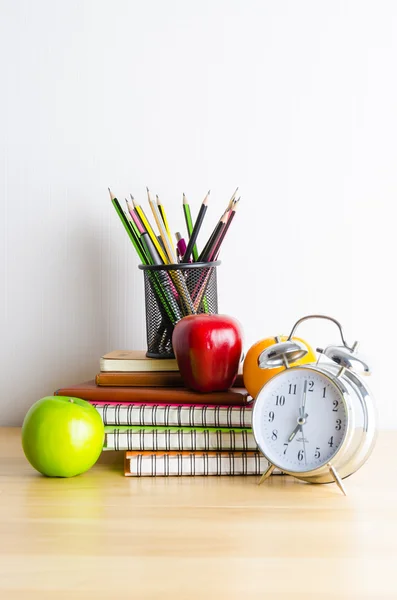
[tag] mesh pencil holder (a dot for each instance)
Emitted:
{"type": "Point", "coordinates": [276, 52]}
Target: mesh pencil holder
{"type": "Point", "coordinates": [171, 293]}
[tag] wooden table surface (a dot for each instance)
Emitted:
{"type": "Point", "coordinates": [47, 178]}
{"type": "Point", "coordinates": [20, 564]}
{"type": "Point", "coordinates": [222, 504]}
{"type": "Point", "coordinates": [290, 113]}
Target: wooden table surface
{"type": "Point", "coordinates": [102, 535]}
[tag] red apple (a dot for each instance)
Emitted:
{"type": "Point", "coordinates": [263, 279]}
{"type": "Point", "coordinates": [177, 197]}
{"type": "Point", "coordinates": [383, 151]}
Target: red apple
{"type": "Point", "coordinates": [208, 350]}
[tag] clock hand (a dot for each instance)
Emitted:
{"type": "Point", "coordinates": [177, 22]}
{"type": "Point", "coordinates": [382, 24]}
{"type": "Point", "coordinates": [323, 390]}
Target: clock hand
{"type": "Point", "coordinates": [304, 446]}
{"type": "Point", "coordinates": [293, 434]}
{"type": "Point", "coordinates": [303, 400]}
{"type": "Point", "coordinates": [302, 416]}
{"type": "Point", "coordinates": [301, 420]}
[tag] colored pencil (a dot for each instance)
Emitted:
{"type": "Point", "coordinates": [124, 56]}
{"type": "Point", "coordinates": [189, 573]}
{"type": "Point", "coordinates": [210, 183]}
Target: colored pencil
{"type": "Point", "coordinates": [149, 229]}
{"type": "Point", "coordinates": [165, 301]}
{"type": "Point", "coordinates": [161, 227]}
{"type": "Point", "coordinates": [206, 252]}
{"type": "Point", "coordinates": [163, 277]}
{"type": "Point", "coordinates": [230, 216]}
{"type": "Point", "coordinates": [137, 223]}
{"type": "Point", "coordinates": [137, 235]}
{"type": "Point", "coordinates": [196, 228]}
{"type": "Point", "coordinates": [127, 227]}
{"type": "Point", "coordinates": [189, 224]}
{"type": "Point", "coordinates": [164, 218]}
{"type": "Point", "coordinates": [177, 276]}
{"type": "Point", "coordinates": [198, 292]}
{"type": "Point", "coordinates": [171, 287]}
{"type": "Point", "coordinates": [215, 233]}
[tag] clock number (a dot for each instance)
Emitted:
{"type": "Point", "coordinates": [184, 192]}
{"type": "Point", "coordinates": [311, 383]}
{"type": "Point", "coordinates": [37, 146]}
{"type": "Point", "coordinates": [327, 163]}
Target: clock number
{"type": "Point", "coordinates": [271, 416]}
{"type": "Point", "coordinates": [274, 434]}
{"type": "Point", "coordinates": [317, 453]}
{"type": "Point", "coordinates": [336, 404]}
{"type": "Point", "coordinates": [324, 392]}
{"type": "Point", "coordinates": [280, 400]}
{"type": "Point", "coordinates": [292, 388]}
{"type": "Point", "coordinates": [300, 455]}
{"type": "Point", "coordinates": [331, 441]}
{"type": "Point", "coordinates": [311, 386]}
{"type": "Point", "coordinates": [286, 448]}
{"type": "Point", "coordinates": [338, 424]}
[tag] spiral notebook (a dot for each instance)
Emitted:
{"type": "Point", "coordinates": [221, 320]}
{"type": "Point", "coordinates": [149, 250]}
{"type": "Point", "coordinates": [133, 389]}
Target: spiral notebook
{"type": "Point", "coordinates": [178, 438]}
{"type": "Point", "coordinates": [164, 464]}
{"type": "Point", "coordinates": [174, 415]}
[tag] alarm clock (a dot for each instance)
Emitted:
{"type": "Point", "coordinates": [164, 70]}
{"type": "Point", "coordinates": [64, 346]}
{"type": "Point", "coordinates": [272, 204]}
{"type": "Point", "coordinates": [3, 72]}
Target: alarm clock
{"type": "Point", "coordinates": [315, 421]}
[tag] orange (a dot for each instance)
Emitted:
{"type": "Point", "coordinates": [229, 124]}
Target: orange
{"type": "Point", "coordinates": [254, 377]}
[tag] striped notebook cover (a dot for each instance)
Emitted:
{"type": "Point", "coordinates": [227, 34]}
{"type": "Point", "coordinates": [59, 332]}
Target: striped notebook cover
{"type": "Point", "coordinates": [152, 464]}
{"type": "Point", "coordinates": [174, 415]}
{"type": "Point", "coordinates": [177, 438]}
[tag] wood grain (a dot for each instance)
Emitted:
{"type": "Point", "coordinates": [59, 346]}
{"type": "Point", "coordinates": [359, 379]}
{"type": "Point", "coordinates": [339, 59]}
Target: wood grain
{"type": "Point", "coordinates": [101, 535]}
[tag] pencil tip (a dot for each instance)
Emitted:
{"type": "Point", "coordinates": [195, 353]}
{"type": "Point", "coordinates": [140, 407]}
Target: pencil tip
{"type": "Point", "coordinates": [112, 197]}
{"type": "Point", "coordinates": [147, 189]}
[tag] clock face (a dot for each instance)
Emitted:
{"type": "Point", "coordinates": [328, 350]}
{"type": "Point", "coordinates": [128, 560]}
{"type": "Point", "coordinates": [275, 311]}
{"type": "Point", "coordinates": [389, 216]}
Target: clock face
{"type": "Point", "coordinates": [300, 420]}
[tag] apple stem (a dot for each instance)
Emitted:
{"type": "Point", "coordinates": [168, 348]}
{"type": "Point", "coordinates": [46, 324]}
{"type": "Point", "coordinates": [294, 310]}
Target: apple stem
{"type": "Point", "coordinates": [71, 400]}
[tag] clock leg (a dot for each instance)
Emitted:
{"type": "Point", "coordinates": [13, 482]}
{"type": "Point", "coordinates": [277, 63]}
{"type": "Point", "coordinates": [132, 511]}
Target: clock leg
{"type": "Point", "coordinates": [338, 480]}
{"type": "Point", "coordinates": [267, 473]}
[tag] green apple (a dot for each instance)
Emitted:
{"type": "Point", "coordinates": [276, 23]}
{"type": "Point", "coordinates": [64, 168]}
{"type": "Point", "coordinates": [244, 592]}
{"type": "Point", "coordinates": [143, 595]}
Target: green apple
{"type": "Point", "coordinates": [62, 436]}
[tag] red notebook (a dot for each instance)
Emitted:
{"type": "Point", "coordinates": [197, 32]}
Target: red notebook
{"type": "Point", "coordinates": [90, 391]}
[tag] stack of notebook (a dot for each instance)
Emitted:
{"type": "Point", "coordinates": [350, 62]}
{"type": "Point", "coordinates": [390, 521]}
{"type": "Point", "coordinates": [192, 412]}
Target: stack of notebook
{"type": "Point", "coordinates": [166, 429]}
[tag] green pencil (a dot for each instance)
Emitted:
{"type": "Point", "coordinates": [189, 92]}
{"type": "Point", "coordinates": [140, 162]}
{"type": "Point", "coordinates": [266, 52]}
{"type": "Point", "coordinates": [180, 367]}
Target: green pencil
{"type": "Point", "coordinates": [161, 294]}
{"type": "Point", "coordinates": [189, 224]}
{"type": "Point", "coordinates": [127, 227]}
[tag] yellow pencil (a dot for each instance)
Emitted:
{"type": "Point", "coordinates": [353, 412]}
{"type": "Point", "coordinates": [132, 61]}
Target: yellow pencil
{"type": "Point", "coordinates": [165, 221]}
{"type": "Point", "coordinates": [157, 216]}
{"type": "Point", "coordinates": [176, 275]}
{"type": "Point", "coordinates": [149, 229]}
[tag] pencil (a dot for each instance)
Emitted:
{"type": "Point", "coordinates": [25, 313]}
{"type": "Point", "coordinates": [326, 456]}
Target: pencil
{"type": "Point", "coordinates": [230, 216]}
{"type": "Point", "coordinates": [176, 275]}
{"type": "Point", "coordinates": [163, 277]}
{"type": "Point", "coordinates": [189, 224]}
{"type": "Point", "coordinates": [164, 218]}
{"type": "Point", "coordinates": [212, 253]}
{"type": "Point", "coordinates": [135, 220]}
{"type": "Point", "coordinates": [206, 252]}
{"type": "Point", "coordinates": [128, 228]}
{"type": "Point", "coordinates": [215, 233]}
{"type": "Point", "coordinates": [149, 229]}
{"type": "Point", "coordinates": [161, 227]}
{"type": "Point", "coordinates": [167, 303]}
{"type": "Point", "coordinates": [200, 288]}
{"type": "Point", "coordinates": [196, 228]}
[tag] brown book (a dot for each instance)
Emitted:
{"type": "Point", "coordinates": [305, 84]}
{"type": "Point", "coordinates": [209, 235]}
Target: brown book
{"type": "Point", "coordinates": [148, 379]}
{"type": "Point", "coordinates": [135, 360]}
{"type": "Point", "coordinates": [161, 395]}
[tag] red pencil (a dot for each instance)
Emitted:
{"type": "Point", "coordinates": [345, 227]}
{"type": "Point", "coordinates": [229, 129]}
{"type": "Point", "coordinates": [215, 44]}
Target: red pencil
{"type": "Point", "coordinates": [229, 218]}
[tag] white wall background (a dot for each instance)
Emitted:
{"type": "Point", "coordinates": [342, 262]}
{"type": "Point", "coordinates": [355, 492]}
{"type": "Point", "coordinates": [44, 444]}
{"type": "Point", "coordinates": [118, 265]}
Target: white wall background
{"type": "Point", "coordinates": [294, 102]}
